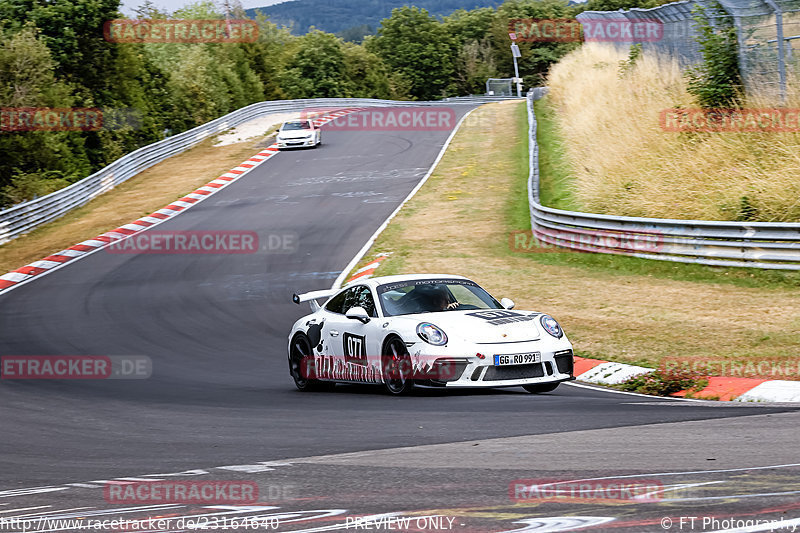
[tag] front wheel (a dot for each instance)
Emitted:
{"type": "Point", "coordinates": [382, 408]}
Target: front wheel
{"type": "Point", "coordinates": [301, 365]}
{"type": "Point", "coordinates": [540, 388]}
{"type": "Point", "coordinates": [397, 370]}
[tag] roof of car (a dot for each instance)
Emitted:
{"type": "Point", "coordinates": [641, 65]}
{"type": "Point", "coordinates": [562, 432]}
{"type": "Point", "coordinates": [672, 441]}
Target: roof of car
{"type": "Point", "coordinates": [382, 280]}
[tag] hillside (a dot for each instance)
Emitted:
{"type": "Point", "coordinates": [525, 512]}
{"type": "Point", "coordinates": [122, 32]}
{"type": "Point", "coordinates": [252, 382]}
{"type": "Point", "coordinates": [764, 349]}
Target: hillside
{"type": "Point", "coordinates": [362, 16]}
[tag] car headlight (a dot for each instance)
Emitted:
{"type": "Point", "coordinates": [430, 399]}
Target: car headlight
{"type": "Point", "coordinates": [431, 334]}
{"type": "Point", "coordinates": [551, 326]}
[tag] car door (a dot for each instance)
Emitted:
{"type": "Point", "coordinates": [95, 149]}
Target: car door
{"type": "Point", "coordinates": [328, 365]}
{"type": "Point", "coordinates": [354, 343]}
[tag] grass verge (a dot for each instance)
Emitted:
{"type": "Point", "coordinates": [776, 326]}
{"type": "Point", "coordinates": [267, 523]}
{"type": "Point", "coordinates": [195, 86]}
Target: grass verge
{"type": "Point", "coordinates": [555, 177]}
{"type": "Point", "coordinates": [632, 154]}
{"type": "Point", "coordinates": [613, 308]}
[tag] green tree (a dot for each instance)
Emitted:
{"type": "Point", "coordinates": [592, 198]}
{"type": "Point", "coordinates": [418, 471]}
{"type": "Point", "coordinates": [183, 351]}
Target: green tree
{"type": "Point", "coordinates": [367, 75]}
{"type": "Point", "coordinates": [317, 68]}
{"type": "Point", "coordinates": [39, 162]}
{"type": "Point", "coordinates": [205, 80]}
{"type": "Point", "coordinates": [418, 47]}
{"type": "Point", "coordinates": [268, 54]}
{"type": "Point", "coordinates": [536, 56]}
{"type": "Point", "coordinates": [73, 31]}
{"type": "Point", "coordinates": [716, 82]}
{"type": "Point", "coordinates": [475, 60]}
{"type": "Point", "coordinates": [356, 34]}
{"type": "Point", "coordinates": [470, 26]}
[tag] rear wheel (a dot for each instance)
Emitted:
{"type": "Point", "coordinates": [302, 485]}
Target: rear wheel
{"type": "Point", "coordinates": [397, 371]}
{"type": "Point", "coordinates": [540, 388]}
{"type": "Point", "coordinates": [301, 364]}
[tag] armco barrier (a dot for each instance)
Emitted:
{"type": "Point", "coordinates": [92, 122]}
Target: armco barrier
{"type": "Point", "coordinates": [771, 245]}
{"type": "Point", "coordinates": [24, 217]}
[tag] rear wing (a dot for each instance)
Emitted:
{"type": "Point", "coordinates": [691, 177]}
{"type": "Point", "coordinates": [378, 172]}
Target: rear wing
{"type": "Point", "coordinates": [312, 297]}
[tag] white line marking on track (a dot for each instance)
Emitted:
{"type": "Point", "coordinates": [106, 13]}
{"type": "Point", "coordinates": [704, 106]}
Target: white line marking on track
{"type": "Point", "coordinates": [555, 524]}
{"type": "Point", "coordinates": [613, 391]}
{"type": "Point", "coordinates": [54, 512]}
{"type": "Point", "coordinates": [23, 509]}
{"type": "Point", "coordinates": [688, 472]}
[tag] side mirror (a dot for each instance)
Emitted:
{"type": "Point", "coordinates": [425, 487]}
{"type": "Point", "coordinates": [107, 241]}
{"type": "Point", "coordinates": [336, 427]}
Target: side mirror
{"type": "Point", "coordinates": [358, 313]}
{"type": "Point", "coordinates": [507, 303]}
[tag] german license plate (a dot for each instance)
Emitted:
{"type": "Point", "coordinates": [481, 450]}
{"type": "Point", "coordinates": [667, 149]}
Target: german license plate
{"type": "Point", "coordinates": [517, 359]}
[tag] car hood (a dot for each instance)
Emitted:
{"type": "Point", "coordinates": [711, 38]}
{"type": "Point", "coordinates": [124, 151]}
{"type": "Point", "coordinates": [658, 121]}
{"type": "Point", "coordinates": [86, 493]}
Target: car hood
{"type": "Point", "coordinates": [294, 134]}
{"type": "Point", "coordinates": [484, 326]}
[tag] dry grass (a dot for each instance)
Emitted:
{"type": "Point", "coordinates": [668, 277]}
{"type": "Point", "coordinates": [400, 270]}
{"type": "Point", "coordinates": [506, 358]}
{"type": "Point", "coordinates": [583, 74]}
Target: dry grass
{"type": "Point", "coordinates": [457, 223]}
{"type": "Point", "coordinates": [625, 164]}
{"type": "Point", "coordinates": [151, 190]}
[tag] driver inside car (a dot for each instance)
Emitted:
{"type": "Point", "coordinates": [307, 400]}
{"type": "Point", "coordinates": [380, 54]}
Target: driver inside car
{"type": "Point", "coordinates": [440, 300]}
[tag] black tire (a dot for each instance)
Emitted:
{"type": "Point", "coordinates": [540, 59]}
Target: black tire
{"type": "Point", "coordinates": [299, 350]}
{"type": "Point", "coordinates": [541, 388]}
{"type": "Point", "coordinates": [396, 367]}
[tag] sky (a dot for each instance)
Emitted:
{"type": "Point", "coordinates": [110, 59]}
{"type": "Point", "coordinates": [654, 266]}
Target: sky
{"type": "Point", "coordinates": [171, 5]}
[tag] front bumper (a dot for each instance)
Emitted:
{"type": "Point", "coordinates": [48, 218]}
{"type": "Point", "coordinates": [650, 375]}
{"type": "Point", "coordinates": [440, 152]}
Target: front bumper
{"type": "Point", "coordinates": [555, 365]}
{"type": "Point", "coordinates": [295, 143]}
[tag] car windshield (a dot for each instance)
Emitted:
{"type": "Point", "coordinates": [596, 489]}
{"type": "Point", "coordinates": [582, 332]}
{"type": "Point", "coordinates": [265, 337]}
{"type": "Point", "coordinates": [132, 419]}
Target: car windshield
{"type": "Point", "coordinates": [293, 126]}
{"type": "Point", "coordinates": [432, 296]}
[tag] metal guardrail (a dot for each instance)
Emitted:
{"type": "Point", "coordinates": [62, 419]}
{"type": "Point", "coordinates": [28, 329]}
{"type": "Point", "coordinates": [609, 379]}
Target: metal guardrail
{"type": "Point", "coordinates": [772, 245]}
{"type": "Point", "coordinates": [22, 218]}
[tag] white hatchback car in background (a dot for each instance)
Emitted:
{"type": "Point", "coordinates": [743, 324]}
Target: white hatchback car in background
{"type": "Point", "coordinates": [299, 133]}
{"type": "Point", "coordinates": [434, 330]}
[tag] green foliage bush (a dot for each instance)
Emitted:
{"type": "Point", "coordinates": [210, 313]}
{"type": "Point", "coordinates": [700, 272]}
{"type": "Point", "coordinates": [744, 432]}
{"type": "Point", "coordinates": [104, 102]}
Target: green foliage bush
{"type": "Point", "coordinates": [716, 82]}
{"type": "Point", "coordinates": [663, 383]}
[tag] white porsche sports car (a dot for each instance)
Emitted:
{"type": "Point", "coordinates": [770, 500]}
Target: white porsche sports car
{"type": "Point", "coordinates": [433, 330]}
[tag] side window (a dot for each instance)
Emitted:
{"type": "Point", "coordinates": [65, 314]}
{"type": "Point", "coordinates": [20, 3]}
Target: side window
{"type": "Point", "coordinates": [364, 299]}
{"type": "Point", "coordinates": [360, 297]}
{"type": "Point", "coordinates": [336, 305]}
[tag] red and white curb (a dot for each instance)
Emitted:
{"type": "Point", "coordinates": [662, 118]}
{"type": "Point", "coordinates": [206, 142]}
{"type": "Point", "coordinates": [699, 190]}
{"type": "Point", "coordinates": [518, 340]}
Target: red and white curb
{"type": "Point", "coordinates": [368, 270]}
{"type": "Point", "coordinates": [37, 268]}
{"type": "Point", "coordinates": [719, 387]}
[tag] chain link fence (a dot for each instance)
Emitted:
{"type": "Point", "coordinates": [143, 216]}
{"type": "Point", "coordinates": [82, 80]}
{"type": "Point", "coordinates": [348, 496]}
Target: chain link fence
{"type": "Point", "coordinates": [767, 68]}
{"type": "Point", "coordinates": [499, 87]}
